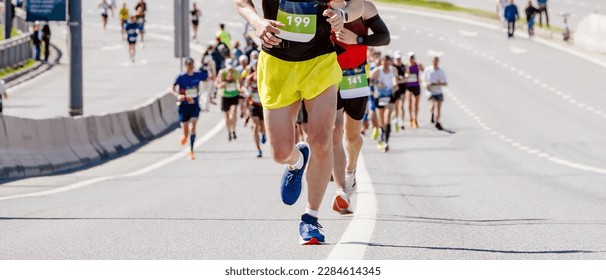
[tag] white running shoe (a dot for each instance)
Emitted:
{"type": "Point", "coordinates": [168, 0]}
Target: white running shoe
{"type": "Point", "coordinates": [350, 183]}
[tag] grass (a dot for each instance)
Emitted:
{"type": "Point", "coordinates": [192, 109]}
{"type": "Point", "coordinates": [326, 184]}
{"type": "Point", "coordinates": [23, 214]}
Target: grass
{"type": "Point", "coordinates": [443, 6]}
{"type": "Point", "coordinates": [9, 70]}
{"type": "Point", "coordinates": [14, 32]}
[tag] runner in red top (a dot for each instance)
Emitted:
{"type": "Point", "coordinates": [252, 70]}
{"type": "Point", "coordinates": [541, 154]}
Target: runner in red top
{"type": "Point", "coordinates": [352, 44]}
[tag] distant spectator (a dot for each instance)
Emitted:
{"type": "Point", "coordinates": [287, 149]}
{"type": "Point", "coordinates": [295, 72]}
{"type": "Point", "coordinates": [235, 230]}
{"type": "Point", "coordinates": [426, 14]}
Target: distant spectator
{"type": "Point", "coordinates": [543, 9]}
{"type": "Point", "coordinates": [46, 37]}
{"type": "Point", "coordinates": [36, 39]}
{"type": "Point", "coordinates": [3, 93]}
{"type": "Point", "coordinates": [223, 36]}
{"type": "Point", "coordinates": [511, 15]}
{"type": "Point", "coordinates": [531, 11]}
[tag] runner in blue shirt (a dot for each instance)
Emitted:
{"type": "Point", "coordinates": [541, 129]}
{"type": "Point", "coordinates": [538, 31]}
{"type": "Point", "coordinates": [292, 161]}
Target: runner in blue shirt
{"type": "Point", "coordinates": [132, 30]}
{"type": "Point", "coordinates": [187, 89]}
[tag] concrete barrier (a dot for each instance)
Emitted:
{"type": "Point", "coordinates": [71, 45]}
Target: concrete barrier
{"type": "Point", "coordinates": [51, 142]}
{"type": "Point", "coordinates": [10, 166]}
{"type": "Point", "coordinates": [591, 33]}
{"type": "Point", "coordinates": [79, 140]}
{"type": "Point", "coordinates": [39, 147]}
{"type": "Point", "coordinates": [23, 144]}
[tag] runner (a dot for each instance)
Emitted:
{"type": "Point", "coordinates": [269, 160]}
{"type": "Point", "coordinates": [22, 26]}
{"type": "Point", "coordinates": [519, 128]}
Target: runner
{"type": "Point", "coordinates": [383, 78]}
{"type": "Point", "coordinates": [352, 97]}
{"type": "Point", "coordinates": [242, 69]}
{"type": "Point", "coordinates": [123, 18]}
{"type": "Point", "coordinates": [435, 79]}
{"type": "Point", "coordinates": [296, 35]}
{"type": "Point", "coordinates": [223, 36]}
{"type": "Point", "coordinates": [132, 30]}
{"type": "Point", "coordinates": [401, 92]}
{"type": "Point", "coordinates": [413, 88]}
{"type": "Point", "coordinates": [227, 81]}
{"type": "Point", "coordinates": [207, 87]}
{"type": "Point", "coordinates": [188, 84]}
{"type": "Point", "coordinates": [195, 20]}
{"type": "Point", "coordinates": [104, 10]}
{"type": "Point", "coordinates": [374, 58]}
{"type": "Point", "coordinates": [141, 9]}
{"type": "Point", "coordinates": [256, 109]}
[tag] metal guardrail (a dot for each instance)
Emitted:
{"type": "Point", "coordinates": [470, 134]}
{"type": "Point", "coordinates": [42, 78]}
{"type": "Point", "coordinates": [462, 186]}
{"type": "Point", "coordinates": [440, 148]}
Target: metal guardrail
{"type": "Point", "coordinates": [17, 50]}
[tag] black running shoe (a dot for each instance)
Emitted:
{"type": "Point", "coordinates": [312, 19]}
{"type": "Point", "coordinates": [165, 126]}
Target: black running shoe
{"type": "Point", "coordinates": [439, 126]}
{"type": "Point", "coordinates": [233, 135]}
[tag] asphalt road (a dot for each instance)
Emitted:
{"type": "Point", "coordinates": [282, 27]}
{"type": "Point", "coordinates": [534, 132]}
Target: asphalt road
{"type": "Point", "coordinates": [579, 9]}
{"type": "Point", "coordinates": [522, 178]}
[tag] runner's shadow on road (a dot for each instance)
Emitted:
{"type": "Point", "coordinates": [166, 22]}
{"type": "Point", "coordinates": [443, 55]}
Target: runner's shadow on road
{"type": "Point", "coordinates": [564, 251]}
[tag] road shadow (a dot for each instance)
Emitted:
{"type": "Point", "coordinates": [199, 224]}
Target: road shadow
{"type": "Point", "coordinates": [480, 250]}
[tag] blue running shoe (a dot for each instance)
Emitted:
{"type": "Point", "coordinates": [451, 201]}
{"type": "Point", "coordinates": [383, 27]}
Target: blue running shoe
{"type": "Point", "coordinates": [309, 229]}
{"type": "Point", "coordinates": [292, 180]}
{"type": "Point", "coordinates": [263, 139]}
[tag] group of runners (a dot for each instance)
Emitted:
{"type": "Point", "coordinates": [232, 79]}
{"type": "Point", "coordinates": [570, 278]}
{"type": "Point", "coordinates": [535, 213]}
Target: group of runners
{"type": "Point", "coordinates": [317, 67]}
{"type": "Point", "coordinates": [132, 24]}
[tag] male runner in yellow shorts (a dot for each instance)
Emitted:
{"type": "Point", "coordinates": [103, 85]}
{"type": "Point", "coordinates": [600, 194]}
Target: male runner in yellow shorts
{"type": "Point", "coordinates": [299, 63]}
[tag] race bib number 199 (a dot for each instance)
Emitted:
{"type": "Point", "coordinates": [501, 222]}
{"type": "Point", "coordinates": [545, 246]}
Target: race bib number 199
{"type": "Point", "coordinates": [299, 19]}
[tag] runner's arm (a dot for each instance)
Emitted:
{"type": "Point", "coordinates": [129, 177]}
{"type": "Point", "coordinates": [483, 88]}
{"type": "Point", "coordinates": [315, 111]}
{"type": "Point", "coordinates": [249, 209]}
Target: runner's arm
{"type": "Point", "coordinates": [265, 29]}
{"type": "Point", "coordinates": [380, 36]}
{"type": "Point", "coordinates": [353, 8]}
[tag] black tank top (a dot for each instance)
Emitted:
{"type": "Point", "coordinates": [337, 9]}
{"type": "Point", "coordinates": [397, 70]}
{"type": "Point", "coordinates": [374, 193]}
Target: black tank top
{"type": "Point", "coordinates": [296, 51]}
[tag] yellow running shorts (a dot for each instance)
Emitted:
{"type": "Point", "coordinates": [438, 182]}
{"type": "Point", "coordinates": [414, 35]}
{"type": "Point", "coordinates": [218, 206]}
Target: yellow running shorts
{"type": "Point", "coordinates": [282, 83]}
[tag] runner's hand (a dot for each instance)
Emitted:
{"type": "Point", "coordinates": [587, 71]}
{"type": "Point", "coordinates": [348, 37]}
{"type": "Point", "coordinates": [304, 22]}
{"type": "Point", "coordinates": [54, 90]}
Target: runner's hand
{"type": "Point", "coordinates": [267, 30]}
{"type": "Point", "coordinates": [347, 37]}
{"type": "Point", "coordinates": [335, 19]}
{"type": "Point", "coordinates": [181, 98]}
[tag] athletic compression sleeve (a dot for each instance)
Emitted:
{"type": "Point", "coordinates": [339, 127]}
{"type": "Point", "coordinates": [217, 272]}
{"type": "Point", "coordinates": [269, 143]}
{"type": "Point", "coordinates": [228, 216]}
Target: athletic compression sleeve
{"type": "Point", "coordinates": [380, 36]}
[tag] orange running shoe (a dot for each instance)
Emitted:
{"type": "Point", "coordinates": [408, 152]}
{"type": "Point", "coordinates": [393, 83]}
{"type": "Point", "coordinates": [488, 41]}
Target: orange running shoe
{"type": "Point", "coordinates": [416, 124]}
{"type": "Point", "coordinates": [183, 140]}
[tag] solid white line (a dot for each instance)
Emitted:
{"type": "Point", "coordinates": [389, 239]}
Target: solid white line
{"type": "Point", "coordinates": [139, 172]}
{"type": "Point", "coordinates": [355, 240]}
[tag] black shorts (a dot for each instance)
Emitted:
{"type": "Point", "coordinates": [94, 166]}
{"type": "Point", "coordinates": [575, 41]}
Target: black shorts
{"type": "Point", "coordinates": [104, 15]}
{"type": "Point", "coordinates": [354, 107]}
{"type": "Point", "coordinates": [227, 102]}
{"type": "Point", "coordinates": [257, 111]}
{"type": "Point", "coordinates": [195, 22]}
{"type": "Point", "coordinates": [401, 91]}
{"type": "Point", "coordinates": [302, 117]}
{"type": "Point", "coordinates": [415, 90]}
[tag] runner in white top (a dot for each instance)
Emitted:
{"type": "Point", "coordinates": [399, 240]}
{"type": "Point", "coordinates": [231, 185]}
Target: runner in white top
{"type": "Point", "coordinates": [435, 79]}
{"type": "Point", "coordinates": [384, 80]}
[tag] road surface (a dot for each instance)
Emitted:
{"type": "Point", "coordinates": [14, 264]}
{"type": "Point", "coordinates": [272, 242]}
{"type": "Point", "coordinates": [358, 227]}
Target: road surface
{"type": "Point", "coordinates": [522, 178]}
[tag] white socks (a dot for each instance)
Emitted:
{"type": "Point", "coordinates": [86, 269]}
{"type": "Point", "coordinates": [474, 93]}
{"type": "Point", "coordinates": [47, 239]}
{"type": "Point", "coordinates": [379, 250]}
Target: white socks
{"type": "Point", "coordinates": [312, 213]}
{"type": "Point", "coordinates": [298, 164]}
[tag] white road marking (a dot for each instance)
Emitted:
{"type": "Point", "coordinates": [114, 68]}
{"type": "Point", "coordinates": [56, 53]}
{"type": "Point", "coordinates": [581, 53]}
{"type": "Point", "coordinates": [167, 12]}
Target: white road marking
{"type": "Point", "coordinates": [517, 50]}
{"type": "Point", "coordinates": [113, 48]}
{"type": "Point", "coordinates": [139, 172]}
{"type": "Point", "coordinates": [468, 33]}
{"type": "Point", "coordinates": [492, 27]}
{"type": "Point", "coordinates": [355, 240]}
{"type": "Point", "coordinates": [536, 152]}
